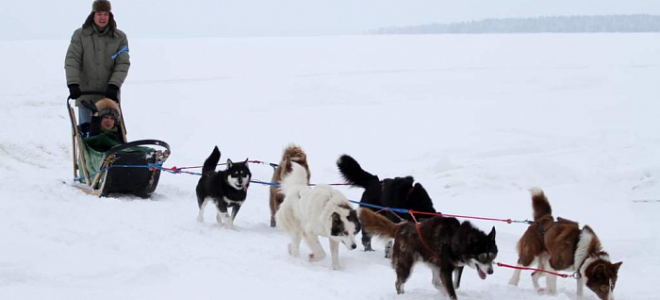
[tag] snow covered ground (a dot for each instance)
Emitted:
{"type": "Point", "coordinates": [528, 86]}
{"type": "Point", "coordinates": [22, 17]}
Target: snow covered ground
{"type": "Point", "coordinates": [478, 119]}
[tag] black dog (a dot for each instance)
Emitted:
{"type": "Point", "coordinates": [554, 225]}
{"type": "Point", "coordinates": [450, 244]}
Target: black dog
{"type": "Point", "coordinates": [400, 192]}
{"type": "Point", "coordinates": [444, 244]}
{"type": "Point", "coordinates": [226, 188]}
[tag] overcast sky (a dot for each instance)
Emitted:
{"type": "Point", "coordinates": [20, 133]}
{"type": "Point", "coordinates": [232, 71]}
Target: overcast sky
{"type": "Point", "coordinates": [53, 19]}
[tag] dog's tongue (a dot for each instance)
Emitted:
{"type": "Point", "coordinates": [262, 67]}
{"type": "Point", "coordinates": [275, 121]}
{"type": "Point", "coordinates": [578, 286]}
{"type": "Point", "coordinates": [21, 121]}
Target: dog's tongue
{"type": "Point", "coordinates": [482, 275]}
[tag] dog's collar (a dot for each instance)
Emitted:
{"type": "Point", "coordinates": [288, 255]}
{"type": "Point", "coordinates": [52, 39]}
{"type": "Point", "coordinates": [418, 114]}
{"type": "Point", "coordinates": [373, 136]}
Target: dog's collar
{"type": "Point", "coordinates": [581, 253]}
{"type": "Point", "coordinates": [579, 273]}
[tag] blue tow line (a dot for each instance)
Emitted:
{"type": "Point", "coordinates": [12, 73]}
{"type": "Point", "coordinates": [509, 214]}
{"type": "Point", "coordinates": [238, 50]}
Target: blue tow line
{"type": "Point", "coordinates": [396, 210]}
{"type": "Point", "coordinates": [160, 167]}
{"type": "Point", "coordinates": [178, 171]}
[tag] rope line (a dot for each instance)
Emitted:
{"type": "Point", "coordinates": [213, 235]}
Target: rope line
{"type": "Point", "coordinates": [406, 211]}
{"type": "Point", "coordinates": [222, 164]}
{"type": "Point", "coordinates": [534, 269]}
{"type": "Point", "coordinates": [508, 221]}
{"type": "Point", "coordinates": [180, 170]}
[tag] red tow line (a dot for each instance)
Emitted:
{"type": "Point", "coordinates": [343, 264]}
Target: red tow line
{"type": "Point", "coordinates": [508, 221]}
{"type": "Point", "coordinates": [436, 257]}
{"type": "Point", "coordinates": [533, 269]}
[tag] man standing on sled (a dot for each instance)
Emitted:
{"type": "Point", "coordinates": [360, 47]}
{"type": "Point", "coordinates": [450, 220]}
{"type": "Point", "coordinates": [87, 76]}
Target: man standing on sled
{"type": "Point", "coordinates": [97, 60]}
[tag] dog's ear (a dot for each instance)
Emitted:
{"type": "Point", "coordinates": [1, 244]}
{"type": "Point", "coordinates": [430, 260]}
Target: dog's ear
{"type": "Point", "coordinates": [229, 163]}
{"type": "Point", "coordinates": [617, 266]}
{"type": "Point", "coordinates": [246, 161]}
{"type": "Point", "coordinates": [491, 235]}
{"type": "Point", "coordinates": [599, 272]}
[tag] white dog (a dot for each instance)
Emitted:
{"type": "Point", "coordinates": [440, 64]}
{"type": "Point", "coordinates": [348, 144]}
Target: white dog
{"type": "Point", "coordinates": [312, 212]}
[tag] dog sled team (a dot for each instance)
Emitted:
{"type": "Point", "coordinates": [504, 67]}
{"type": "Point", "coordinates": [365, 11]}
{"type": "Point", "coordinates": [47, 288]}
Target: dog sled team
{"type": "Point", "coordinates": [444, 244]}
{"type": "Point", "coordinates": [306, 213]}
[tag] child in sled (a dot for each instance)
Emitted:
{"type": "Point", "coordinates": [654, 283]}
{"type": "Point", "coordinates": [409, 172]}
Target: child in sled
{"type": "Point", "coordinates": [104, 130]}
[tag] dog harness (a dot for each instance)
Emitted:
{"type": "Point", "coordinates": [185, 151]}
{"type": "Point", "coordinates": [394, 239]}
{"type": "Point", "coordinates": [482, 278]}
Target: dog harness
{"type": "Point", "coordinates": [436, 257]}
{"type": "Point", "coordinates": [577, 274]}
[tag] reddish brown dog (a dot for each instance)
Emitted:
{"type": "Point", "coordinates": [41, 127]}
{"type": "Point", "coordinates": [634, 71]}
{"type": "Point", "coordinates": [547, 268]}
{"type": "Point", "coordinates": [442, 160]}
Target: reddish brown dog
{"type": "Point", "coordinates": [291, 153]}
{"type": "Point", "coordinates": [561, 245]}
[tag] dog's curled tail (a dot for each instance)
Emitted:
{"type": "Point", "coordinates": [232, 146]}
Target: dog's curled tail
{"type": "Point", "coordinates": [296, 178]}
{"type": "Point", "coordinates": [354, 174]}
{"type": "Point", "coordinates": [293, 152]}
{"type": "Point", "coordinates": [540, 203]}
{"type": "Point", "coordinates": [376, 224]}
{"type": "Point", "coordinates": [211, 162]}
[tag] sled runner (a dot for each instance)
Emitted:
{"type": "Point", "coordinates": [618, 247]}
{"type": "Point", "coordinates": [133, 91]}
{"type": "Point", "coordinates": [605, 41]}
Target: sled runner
{"type": "Point", "coordinates": [131, 168]}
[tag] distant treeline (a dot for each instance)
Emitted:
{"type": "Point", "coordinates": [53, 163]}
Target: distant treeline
{"type": "Point", "coordinates": [613, 23]}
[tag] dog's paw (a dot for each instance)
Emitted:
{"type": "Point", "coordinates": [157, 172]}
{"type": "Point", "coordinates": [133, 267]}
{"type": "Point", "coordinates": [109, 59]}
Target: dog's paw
{"type": "Point", "coordinates": [540, 291]}
{"type": "Point", "coordinates": [229, 222]}
{"type": "Point", "coordinates": [316, 256]}
{"type": "Point", "coordinates": [200, 219]}
{"type": "Point", "coordinates": [437, 283]}
{"type": "Point", "coordinates": [294, 251]}
{"type": "Point", "coordinates": [388, 249]}
{"type": "Point", "coordinates": [399, 287]}
{"type": "Point", "coordinates": [514, 281]}
{"type": "Point", "coordinates": [336, 267]}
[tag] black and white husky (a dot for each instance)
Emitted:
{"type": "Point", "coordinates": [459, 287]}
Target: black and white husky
{"type": "Point", "coordinates": [226, 188]}
{"type": "Point", "coordinates": [312, 212]}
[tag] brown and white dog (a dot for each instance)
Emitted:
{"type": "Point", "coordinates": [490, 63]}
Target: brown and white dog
{"type": "Point", "coordinates": [561, 245]}
{"type": "Point", "coordinates": [292, 153]}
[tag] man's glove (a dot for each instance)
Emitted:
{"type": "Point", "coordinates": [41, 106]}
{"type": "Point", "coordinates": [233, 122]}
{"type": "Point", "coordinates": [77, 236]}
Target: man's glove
{"type": "Point", "coordinates": [74, 91]}
{"type": "Point", "coordinates": [112, 92]}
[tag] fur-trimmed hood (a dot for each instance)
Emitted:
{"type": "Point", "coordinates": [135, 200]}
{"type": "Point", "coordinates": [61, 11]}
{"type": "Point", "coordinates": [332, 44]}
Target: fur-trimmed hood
{"type": "Point", "coordinates": [107, 106]}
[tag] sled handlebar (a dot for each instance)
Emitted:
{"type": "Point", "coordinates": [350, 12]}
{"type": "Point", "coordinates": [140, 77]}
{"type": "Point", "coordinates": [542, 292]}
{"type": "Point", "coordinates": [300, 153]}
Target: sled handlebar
{"type": "Point", "coordinates": [94, 93]}
{"type": "Point", "coordinates": [116, 149]}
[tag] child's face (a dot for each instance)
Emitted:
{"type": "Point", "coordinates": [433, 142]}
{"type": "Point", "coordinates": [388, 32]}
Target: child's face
{"type": "Point", "coordinates": [108, 122]}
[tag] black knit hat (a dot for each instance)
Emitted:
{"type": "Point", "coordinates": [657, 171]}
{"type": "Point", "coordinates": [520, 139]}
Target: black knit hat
{"type": "Point", "coordinates": [109, 112]}
{"type": "Point", "coordinates": [101, 5]}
